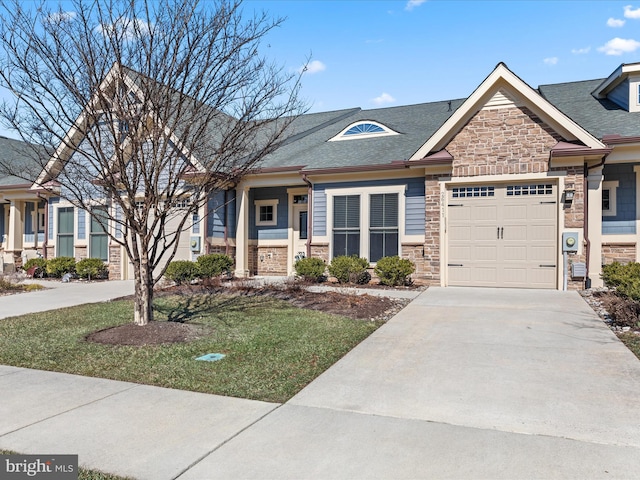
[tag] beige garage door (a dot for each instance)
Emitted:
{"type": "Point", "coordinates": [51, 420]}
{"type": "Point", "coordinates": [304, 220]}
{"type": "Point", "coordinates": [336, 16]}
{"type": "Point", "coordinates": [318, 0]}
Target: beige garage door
{"type": "Point", "coordinates": [502, 235]}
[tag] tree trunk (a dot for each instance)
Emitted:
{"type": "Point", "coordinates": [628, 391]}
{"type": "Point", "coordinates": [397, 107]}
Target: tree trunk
{"type": "Point", "coordinates": [143, 303]}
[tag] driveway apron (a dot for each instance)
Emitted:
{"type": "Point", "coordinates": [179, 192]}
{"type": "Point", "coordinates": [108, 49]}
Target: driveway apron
{"type": "Point", "coordinates": [463, 383]}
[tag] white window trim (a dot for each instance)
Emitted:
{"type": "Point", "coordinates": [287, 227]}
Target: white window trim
{"type": "Point", "coordinates": [612, 186]}
{"type": "Point", "coordinates": [263, 203]}
{"type": "Point", "coordinates": [365, 199]}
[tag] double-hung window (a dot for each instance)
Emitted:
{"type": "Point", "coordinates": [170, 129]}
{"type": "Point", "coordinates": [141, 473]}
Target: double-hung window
{"type": "Point", "coordinates": [98, 246]}
{"type": "Point", "coordinates": [383, 226]}
{"type": "Point", "coordinates": [65, 232]}
{"type": "Point", "coordinates": [346, 225]}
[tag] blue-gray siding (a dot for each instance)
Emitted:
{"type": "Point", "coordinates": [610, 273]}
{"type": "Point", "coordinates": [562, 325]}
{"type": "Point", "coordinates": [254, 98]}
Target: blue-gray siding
{"type": "Point", "coordinates": [414, 202]}
{"type": "Point", "coordinates": [52, 202]}
{"type": "Point", "coordinates": [1, 220]}
{"type": "Point", "coordinates": [82, 224]}
{"type": "Point", "coordinates": [620, 94]}
{"type": "Point", "coordinates": [215, 220]}
{"type": "Point", "coordinates": [28, 219]}
{"type": "Point", "coordinates": [624, 222]}
{"type": "Point", "coordinates": [275, 232]}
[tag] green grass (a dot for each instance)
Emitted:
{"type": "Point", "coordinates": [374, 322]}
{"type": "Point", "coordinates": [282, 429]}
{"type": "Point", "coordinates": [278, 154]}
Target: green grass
{"type": "Point", "coordinates": [83, 473]}
{"type": "Point", "coordinates": [632, 341]}
{"type": "Point", "coordinates": [272, 349]}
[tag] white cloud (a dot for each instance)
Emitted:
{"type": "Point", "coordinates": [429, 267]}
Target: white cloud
{"type": "Point", "coordinates": [411, 4]}
{"type": "Point", "coordinates": [383, 99]}
{"type": "Point", "coordinates": [551, 61]}
{"type": "Point", "coordinates": [630, 13]}
{"type": "Point", "coordinates": [312, 67]}
{"type": "Point", "coordinates": [125, 27]}
{"type": "Point", "coordinates": [581, 51]}
{"type": "Point", "coordinates": [615, 22]}
{"type": "Point", "coordinates": [618, 46]}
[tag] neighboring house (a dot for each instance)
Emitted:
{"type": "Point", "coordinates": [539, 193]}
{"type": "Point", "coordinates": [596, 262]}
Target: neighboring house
{"type": "Point", "coordinates": [480, 191]}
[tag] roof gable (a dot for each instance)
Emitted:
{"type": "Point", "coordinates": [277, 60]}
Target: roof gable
{"type": "Point", "coordinates": [503, 88]}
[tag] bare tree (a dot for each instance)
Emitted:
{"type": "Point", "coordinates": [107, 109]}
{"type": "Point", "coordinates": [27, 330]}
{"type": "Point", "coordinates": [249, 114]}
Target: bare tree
{"type": "Point", "coordinates": [145, 107]}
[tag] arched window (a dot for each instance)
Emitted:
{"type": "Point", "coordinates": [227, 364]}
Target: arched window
{"type": "Point", "coordinates": [363, 129]}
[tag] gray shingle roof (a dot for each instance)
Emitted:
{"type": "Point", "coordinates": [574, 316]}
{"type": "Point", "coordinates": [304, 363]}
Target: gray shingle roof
{"type": "Point", "coordinates": [17, 156]}
{"type": "Point", "coordinates": [598, 117]}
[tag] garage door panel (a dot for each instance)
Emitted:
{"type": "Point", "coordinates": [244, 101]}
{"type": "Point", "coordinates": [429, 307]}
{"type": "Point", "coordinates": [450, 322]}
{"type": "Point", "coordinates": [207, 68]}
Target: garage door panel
{"type": "Point", "coordinates": [503, 239]}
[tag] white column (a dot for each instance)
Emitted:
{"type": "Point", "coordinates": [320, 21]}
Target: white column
{"type": "Point", "coordinates": [16, 226]}
{"type": "Point", "coordinates": [242, 231]}
{"type": "Point", "coordinates": [637, 170]}
{"type": "Point", "coordinates": [594, 183]}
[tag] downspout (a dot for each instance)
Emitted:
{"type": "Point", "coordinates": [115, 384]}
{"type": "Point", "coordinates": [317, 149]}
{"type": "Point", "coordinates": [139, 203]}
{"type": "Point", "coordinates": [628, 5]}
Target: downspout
{"type": "Point", "coordinates": [587, 280]}
{"type": "Point", "coordinates": [309, 212]}
{"type": "Point", "coordinates": [46, 225]}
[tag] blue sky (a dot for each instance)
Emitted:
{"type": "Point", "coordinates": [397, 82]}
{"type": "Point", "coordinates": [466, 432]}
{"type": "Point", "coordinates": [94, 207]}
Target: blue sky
{"type": "Point", "coordinates": [383, 53]}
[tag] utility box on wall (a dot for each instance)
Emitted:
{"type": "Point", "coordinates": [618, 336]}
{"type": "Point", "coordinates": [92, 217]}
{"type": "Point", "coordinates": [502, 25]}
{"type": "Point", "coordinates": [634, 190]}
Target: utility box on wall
{"type": "Point", "coordinates": [570, 242]}
{"type": "Point", "coordinates": [195, 244]}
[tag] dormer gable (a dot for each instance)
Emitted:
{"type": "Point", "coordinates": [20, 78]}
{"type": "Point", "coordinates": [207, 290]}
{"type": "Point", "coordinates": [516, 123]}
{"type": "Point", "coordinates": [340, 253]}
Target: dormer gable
{"type": "Point", "coordinates": [622, 87]}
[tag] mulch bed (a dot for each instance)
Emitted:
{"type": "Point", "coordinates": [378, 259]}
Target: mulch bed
{"type": "Point", "coordinates": [155, 333]}
{"type": "Point", "coordinates": [622, 314]}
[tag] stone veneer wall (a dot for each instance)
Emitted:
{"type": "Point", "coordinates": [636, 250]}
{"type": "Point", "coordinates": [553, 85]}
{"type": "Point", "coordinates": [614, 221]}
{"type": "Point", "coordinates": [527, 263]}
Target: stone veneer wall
{"type": "Point", "coordinates": [81, 252]}
{"type": "Point", "coordinates": [115, 267]}
{"type": "Point", "coordinates": [320, 250]}
{"type": "Point", "coordinates": [272, 261]}
{"type": "Point", "coordinates": [414, 253]}
{"type": "Point", "coordinates": [618, 252]}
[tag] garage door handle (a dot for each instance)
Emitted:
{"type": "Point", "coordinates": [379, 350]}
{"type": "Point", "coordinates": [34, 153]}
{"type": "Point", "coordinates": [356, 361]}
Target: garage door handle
{"type": "Point", "coordinates": [500, 233]}
{"type": "Point", "coordinates": [498, 237]}
{"type": "Point", "coordinates": [455, 265]}
{"type": "Point", "coordinates": [547, 266]}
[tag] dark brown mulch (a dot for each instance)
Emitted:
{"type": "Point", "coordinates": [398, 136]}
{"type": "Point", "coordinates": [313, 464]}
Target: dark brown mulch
{"type": "Point", "coordinates": [155, 333]}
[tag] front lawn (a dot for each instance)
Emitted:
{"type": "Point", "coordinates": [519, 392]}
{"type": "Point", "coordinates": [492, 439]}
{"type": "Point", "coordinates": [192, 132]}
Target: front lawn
{"type": "Point", "coordinates": [632, 341]}
{"type": "Point", "coordinates": [272, 349]}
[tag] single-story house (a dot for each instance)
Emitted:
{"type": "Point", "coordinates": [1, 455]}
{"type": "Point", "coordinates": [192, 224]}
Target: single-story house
{"type": "Point", "coordinates": [510, 187]}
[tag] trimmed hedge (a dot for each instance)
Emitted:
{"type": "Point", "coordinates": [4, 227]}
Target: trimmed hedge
{"type": "Point", "coordinates": [310, 269]}
{"type": "Point", "coordinates": [182, 271]}
{"type": "Point", "coordinates": [351, 269]}
{"type": "Point", "coordinates": [91, 268]}
{"type": "Point", "coordinates": [58, 266]}
{"type": "Point", "coordinates": [213, 265]}
{"type": "Point", "coordinates": [394, 271]}
{"type": "Point", "coordinates": [625, 278]}
{"type": "Point", "coordinates": [40, 263]}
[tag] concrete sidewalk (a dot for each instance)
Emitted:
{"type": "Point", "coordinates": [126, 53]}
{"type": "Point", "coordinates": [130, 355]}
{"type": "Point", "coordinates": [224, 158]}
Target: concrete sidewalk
{"type": "Point", "coordinates": [60, 295]}
{"type": "Point", "coordinates": [462, 383]}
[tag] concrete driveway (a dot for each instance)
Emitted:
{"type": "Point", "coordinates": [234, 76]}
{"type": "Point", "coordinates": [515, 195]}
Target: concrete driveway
{"type": "Point", "coordinates": [463, 383]}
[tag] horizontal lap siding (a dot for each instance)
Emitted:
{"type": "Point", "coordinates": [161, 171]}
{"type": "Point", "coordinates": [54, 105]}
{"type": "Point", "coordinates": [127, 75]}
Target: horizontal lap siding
{"type": "Point", "coordinates": [275, 232]}
{"type": "Point", "coordinates": [624, 222]}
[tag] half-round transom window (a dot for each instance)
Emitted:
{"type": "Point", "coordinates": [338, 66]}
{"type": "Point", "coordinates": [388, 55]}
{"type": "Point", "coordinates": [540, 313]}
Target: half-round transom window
{"type": "Point", "coordinates": [363, 129]}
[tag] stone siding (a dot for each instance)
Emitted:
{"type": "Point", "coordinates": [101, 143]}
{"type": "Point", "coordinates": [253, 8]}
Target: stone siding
{"type": "Point", "coordinates": [618, 252]}
{"type": "Point", "coordinates": [432, 250]}
{"type": "Point", "coordinates": [502, 141]}
{"type": "Point", "coordinates": [415, 253]}
{"type": "Point", "coordinates": [272, 261]}
{"type": "Point", "coordinates": [81, 252]}
{"type": "Point", "coordinates": [115, 262]}
{"type": "Point", "coordinates": [320, 250]}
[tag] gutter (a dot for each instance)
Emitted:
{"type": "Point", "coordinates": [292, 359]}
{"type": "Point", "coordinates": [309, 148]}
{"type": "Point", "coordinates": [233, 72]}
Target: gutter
{"type": "Point", "coordinates": [586, 217]}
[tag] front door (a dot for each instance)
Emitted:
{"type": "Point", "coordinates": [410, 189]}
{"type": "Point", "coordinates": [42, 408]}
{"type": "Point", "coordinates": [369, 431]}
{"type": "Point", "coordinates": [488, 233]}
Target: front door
{"type": "Point", "coordinates": [300, 231]}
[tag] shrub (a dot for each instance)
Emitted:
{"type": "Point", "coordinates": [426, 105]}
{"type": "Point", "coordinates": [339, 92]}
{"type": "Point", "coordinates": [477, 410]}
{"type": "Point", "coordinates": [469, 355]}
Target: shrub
{"type": "Point", "coordinates": [625, 278]}
{"type": "Point", "coordinates": [311, 269]}
{"type": "Point", "coordinates": [91, 268]}
{"type": "Point", "coordinates": [58, 266]}
{"type": "Point", "coordinates": [39, 263]}
{"type": "Point", "coordinates": [350, 269]}
{"type": "Point", "coordinates": [182, 271]}
{"type": "Point", "coordinates": [394, 271]}
{"type": "Point", "coordinates": [214, 265]}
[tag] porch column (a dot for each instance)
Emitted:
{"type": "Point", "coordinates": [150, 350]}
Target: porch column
{"type": "Point", "coordinates": [636, 169]}
{"type": "Point", "coordinates": [242, 231]}
{"type": "Point", "coordinates": [15, 229]}
{"type": "Point", "coordinates": [594, 190]}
